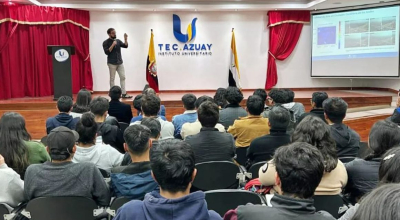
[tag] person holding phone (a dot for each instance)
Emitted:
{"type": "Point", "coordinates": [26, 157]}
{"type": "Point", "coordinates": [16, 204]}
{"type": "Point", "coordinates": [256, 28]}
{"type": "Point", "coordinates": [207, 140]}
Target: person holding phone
{"type": "Point", "coordinates": [112, 48]}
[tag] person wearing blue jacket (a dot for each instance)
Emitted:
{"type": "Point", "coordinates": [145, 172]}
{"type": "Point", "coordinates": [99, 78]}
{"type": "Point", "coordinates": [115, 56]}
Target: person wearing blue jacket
{"type": "Point", "coordinates": [134, 180]}
{"type": "Point", "coordinates": [173, 168]}
{"type": "Point", "coordinates": [64, 106]}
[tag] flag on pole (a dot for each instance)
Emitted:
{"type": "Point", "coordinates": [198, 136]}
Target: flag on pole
{"type": "Point", "coordinates": [151, 66]}
{"type": "Point", "coordinates": [234, 74]}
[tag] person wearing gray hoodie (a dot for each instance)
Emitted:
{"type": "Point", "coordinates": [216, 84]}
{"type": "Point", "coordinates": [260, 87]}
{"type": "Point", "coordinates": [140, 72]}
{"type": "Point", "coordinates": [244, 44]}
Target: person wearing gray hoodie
{"type": "Point", "coordinates": [347, 140]}
{"type": "Point", "coordinates": [173, 168]}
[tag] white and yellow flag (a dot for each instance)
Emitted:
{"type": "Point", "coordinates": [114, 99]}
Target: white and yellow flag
{"type": "Point", "coordinates": [234, 73]}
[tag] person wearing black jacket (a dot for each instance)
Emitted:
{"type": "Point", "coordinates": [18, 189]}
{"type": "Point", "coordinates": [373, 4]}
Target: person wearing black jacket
{"type": "Point", "coordinates": [263, 148]}
{"type": "Point", "coordinates": [317, 100]}
{"type": "Point", "coordinates": [118, 109]}
{"type": "Point", "coordinates": [110, 134]}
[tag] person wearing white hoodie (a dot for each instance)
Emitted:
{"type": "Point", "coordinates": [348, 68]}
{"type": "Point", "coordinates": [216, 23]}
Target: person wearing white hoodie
{"type": "Point", "coordinates": [11, 186]}
{"type": "Point", "coordinates": [89, 150]}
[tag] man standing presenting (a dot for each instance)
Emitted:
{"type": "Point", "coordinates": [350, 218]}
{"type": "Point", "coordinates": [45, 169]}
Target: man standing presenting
{"type": "Point", "coordinates": [112, 48]}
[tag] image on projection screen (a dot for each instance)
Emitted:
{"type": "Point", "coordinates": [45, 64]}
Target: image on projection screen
{"type": "Point", "coordinates": [359, 43]}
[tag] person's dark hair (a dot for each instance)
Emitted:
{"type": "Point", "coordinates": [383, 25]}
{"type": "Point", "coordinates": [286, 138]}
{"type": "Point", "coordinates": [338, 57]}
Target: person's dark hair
{"type": "Point", "coordinates": [172, 163]}
{"type": "Point", "coordinates": [82, 101]}
{"type": "Point", "coordinates": [255, 105]}
{"type": "Point", "coordinates": [382, 203]}
{"type": "Point", "coordinates": [335, 109]}
{"type": "Point", "coordinates": [279, 117]}
{"type": "Point", "coordinates": [262, 93]}
{"type": "Point", "coordinates": [115, 93]}
{"type": "Point", "coordinates": [189, 101]}
{"type": "Point", "coordinates": [109, 30]}
{"type": "Point", "coordinates": [279, 96]}
{"type": "Point", "coordinates": [64, 104]}
{"type": "Point", "coordinates": [13, 133]}
{"type": "Point", "coordinates": [137, 138]}
{"type": "Point", "coordinates": [233, 95]}
{"type": "Point", "coordinates": [300, 167]}
{"type": "Point", "coordinates": [318, 98]}
{"type": "Point", "coordinates": [203, 99]}
{"type": "Point", "coordinates": [289, 95]}
{"type": "Point", "coordinates": [219, 97]}
{"type": "Point", "coordinates": [99, 106]}
{"type": "Point", "coordinates": [137, 102]}
{"type": "Point", "coordinates": [154, 125]}
{"type": "Point", "coordinates": [151, 105]}
{"type": "Point", "coordinates": [383, 136]}
{"type": "Point", "coordinates": [87, 129]}
{"type": "Point", "coordinates": [208, 114]}
{"type": "Point", "coordinates": [389, 168]}
{"type": "Point", "coordinates": [316, 132]}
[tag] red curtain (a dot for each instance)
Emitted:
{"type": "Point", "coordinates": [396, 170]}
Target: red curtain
{"type": "Point", "coordinates": [284, 32]}
{"type": "Point", "coordinates": [25, 31]}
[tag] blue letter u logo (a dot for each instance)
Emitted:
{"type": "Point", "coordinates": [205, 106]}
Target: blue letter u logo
{"type": "Point", "coordinates": [191, 30]}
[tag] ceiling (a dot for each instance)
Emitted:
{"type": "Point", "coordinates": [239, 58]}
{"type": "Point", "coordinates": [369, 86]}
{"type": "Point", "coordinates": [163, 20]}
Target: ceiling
{"type": "Point", "coordinates": [199, 5]}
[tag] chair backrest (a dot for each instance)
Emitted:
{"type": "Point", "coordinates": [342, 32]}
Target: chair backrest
{"type": "Point", "coordinates": [222, 201]}
{"type": "Point", "coordinates": [216, 175]}
{"type": "Point", "coordinates": [123, 126]}
{"type": "Point", "coordinates": [61, 208]}
{"type": "Point", "coordinates": [3, 211]}
{"type": "Point", "coordinates": [346, 159]}
{"type": "Point", "coordinates": [255, 168]}
{"type": "Point", "coordinates": [118, 203]}
{"type": "Point", "coordinates": [330, 204]}
{"type": "Point", "coordinates": [241, 155]}
{"type": "Point", "coordinates": [364, 150]}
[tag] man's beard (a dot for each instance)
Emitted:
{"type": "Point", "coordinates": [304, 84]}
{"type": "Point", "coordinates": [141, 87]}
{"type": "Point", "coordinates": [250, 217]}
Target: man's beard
{"type": "Point", "coordinates": [115, 37]}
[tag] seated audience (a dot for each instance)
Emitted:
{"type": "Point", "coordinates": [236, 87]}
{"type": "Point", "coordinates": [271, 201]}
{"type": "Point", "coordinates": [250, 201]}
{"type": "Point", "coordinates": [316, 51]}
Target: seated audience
{"type": "Point", "coordinates": [103, 156]}
{"type": "Point", "coordinates": [150, 108]}
{"type": "Point", "coordinates": [61, 177]}
{"type": "Point", "coordinates": [314, 131]}
{"type": "Point", "coordinates": [299, 169]}
{"type": "Point", "coordinates": [118, 109]}
{"type": "Point", "coordinates": [82, 103]}
{"type": "Point", "coordinates": [134, 180]}
{"type": "Point", "coordinates": [363, 173]}
{"type": "Point", "coordinates": [137, 104]}
{"type": "Point", "coordinates": [233, 110]}
{"type": "Point", "coordinates": [106, 132]}
{"type": "Point", "coordinates": [195, 127]}
{"type": "Point", "coordinates": [210, 144]}
{"type": "Point", "coordinates": [347, 140]}
{"type": "Point", "coordinates": [395, 117]}
{"type": "Point", "coordinates": [173, 168]}
{"type": "Point", "coordinates": [64, 106]}
{"type": "Point", "coordinates": [162, 111]}
{"type": "Point", "coordinates": [155, 128]}
{"type": "Point", "coordinates": [296, 107]}
{"type": "Point", "coordinates": [219, 98]}
{"type": "Point", "coordinates": [316, 106]}
{"type": "Point", "coordinates": [380, 204]}
{"type": "Point", "coordinates": [263, 94]}
{"type": "Point", "coordinates": [388, 173]}
{"type": "Point", "coordinates": [246, 129]}
{"type": "Point", "coordinates": [16, 146]}
{"type": "Point", "coordinates": [189, 116]}
{"type": "Point", "coordinates": [11, 186]}
{"type": "Point", "coordinates": [263, 148]}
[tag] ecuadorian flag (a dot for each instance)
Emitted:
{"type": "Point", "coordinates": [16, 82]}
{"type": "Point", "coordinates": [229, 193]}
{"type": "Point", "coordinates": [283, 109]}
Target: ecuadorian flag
{"type": "Point", "coordinates": [234, 74]}
{"type": "Point", "coordinates": [151, 66]}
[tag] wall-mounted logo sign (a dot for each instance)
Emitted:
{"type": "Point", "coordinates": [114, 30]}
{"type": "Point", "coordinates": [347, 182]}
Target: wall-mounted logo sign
{"type": "Point", "coordinates": [187, 49]}
{"type": "Point", "coordinates": [61, 55]}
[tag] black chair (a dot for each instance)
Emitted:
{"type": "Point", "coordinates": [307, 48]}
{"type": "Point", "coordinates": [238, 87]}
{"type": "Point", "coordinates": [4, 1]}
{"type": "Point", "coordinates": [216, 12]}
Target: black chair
{"type": "Point", "coordinates": [43, 140]}
{"type": "Point", "coordinates": [3, 211]}
{"type": "Point", "coordinates": [364, 150]}
{"type": "Point", "coordinates": [116, 204]}
{"type": "Point", "coordinates": [329, 204]}
{"type": "Point", "coordinates": [123, 126]}
{"type": "Point", "coordinates": [61, 208]}
{"type": "Point", "coordinates": [216, 175]}
{"type": "Point", "coordinates": [346, 159]}
{"type": "Point", "coordinates": [255, 168]}
{"type": "Point", "coordinates": [104, 173]}
{"type": "Point", "coordinates": [224, 200]}
{"type": "Point", "coordinates": [241, 155]}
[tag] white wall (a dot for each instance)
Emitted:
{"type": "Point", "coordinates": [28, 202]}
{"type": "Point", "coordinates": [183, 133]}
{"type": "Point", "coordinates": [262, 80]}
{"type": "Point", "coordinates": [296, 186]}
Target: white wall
{"type": "Point", "coordinates": [197, 73]}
